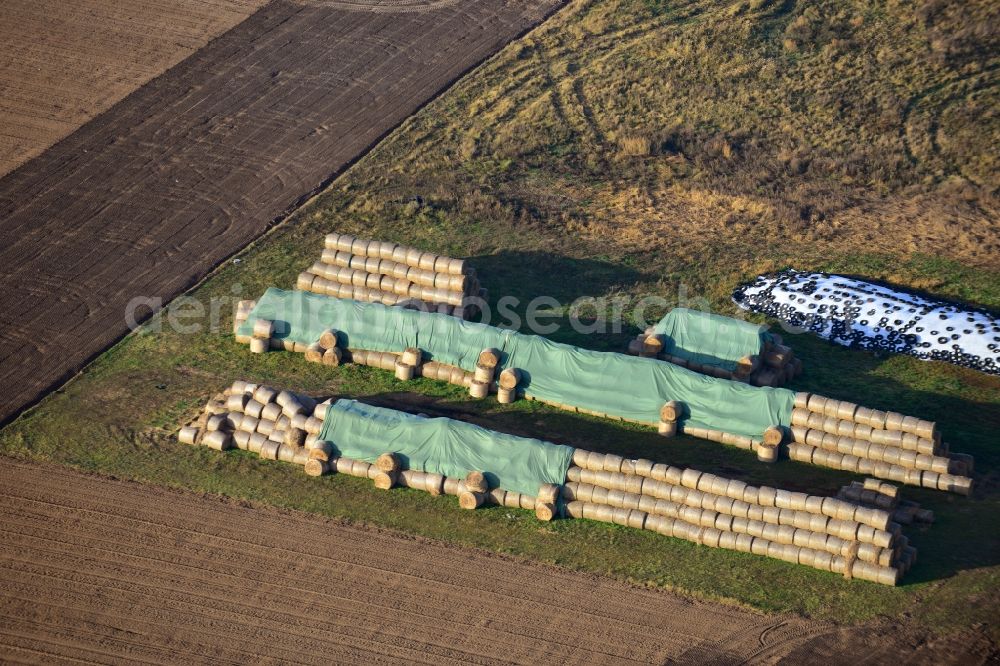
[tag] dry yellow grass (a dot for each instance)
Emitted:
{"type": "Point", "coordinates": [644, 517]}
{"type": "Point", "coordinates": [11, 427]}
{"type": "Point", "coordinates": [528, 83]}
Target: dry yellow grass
{"type": "Point", "coordinates": [821, 127]}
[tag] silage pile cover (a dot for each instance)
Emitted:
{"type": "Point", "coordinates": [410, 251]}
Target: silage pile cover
{"type": "Point", "coordinates": [877, 317]}
{"type": "Point", "coordinates": [445, 446]}
{"type": "Point", "coordinates": [618, 385]}
{"type": "Point", "coordinates": [709, 339]}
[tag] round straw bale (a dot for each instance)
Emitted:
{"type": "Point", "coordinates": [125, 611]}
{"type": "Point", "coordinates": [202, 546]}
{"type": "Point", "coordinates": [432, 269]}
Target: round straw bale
{"type": "Point", "coordinates": [774, 436]}
{"type": "Point", "coordinates": [893, 421]}
{"type": "Point", "coordinates": [299, 421]}
{"type": "Point", "coordinates": [385, 480]}
{"type": "Point", "coordinates": [315, 467]}
{"type": "Point", "coordinates": [263, 329]}
{"type": "Point", "coordinates": [743, 543]}
{"type": "Point", "coordinates": [295, 437]}
{"type": "Point", "coordinates": [506, 396]}
{"type": "Point", "coordinates": [512, 500]}
{"type": "Point", "coordinates": [612, 463]}
{"type": "Point", "coordinates": [286, 453]}
{"type": "Point", "coordinates": [710, 537]}
{"type": "Point", "coordinates": [270, 412]}
{"type": "Point", "coordinates": [690, 477]}
{"type": "Point", "coordinates": [314, 353]}
{"type": "Point", "coordinates": [652, 345]}
{"type": "Point", "coordinates": [452, 486]}
{"type": "Point", "coordinates": [470, 500]}
{"type": "Point", "coordinates": [483, 373]}
{"type": "Point", "coordinates": [241, 439]}
{"type": "Point", "coordinates": [293, 407]}
{"type": "Point", "coordinates": [269, 450]}
{"type": "Point", "coordinates": [411, 356]}
{"type": "Point", "coordinates": [264, 394]}
{"type": "Point", "coordinates": [455, 375]}
{"type": "Point", "coordinates": [670, 474]}
{"type": "Point", "coordinates": [321, 450]}
{"type": "Point", "coordinates": [434, 483]}
{"type": "Point", "coordinates": [476, 482]}
{"type": "Point", "coordinates": [766, 495]}
{"type": "Point", "coordinates": [815, 403]}
{"type": "Point", "coordinates": [332, 357]}
{"type": "Point", "coordinates": [312, 425]}
{"type": "Point", "coordinates": [320, 410]}
{"type": "Point", "coordinates": [241, 386]}
{"type": "Point", "coordinates": [188, 435]}
{"type": "Point", "coordinates": [634, 484]}
{"type": "Point", "coordinates": [387, 462]}
{"type": "Point", "coordinates": [478, 389]}
{"type": "Point", "coordinates": [632, 518]}
{"type": "Point", "coordinates": [218, 440]}
{"type": "Point", "coordinates": [360, 469]}
{"type": "Point", "coordinates": [359, 247]}
{"type": "Point", "coordinates": [545, 511]}
{"type": "Point", "coordinates": [601, 512]}
{"type": "Point", "coordinates": [237, 401]}
{"type": "Point", "coordinates": [667, 428]}
{"type": "Point", "coordinates": [255, 442]}
{"type": "Point", "coordinates": [457, 267]}
{"type": "Point", "coordinates": [426, 261]}
{"type": "Point", "coordinates": [489, 358]}
{"type": "Point", "coordinates": [341, 465]}
{"type": "Point", "coordinates": [284, 397]}
{"type": "Point", "coordinates": [548, 493]}
{"type": "Point", "coordinates": [332, 240]}
{"type": "Point", "coordinates": [671, 411]}
{"type": "Point", "coordinates": [404, 372]}
{"type": "Point", "coordinates": [575, 509]}
{"type": "Point", "coordinates": [768, 454]}
{"type": "Point", "coordinates": [304, 281]}
{"type": "Point", "coordinates": [527, 502]}
{"type": "Point", "coordinates": [259, 346]}
{"type": "Point", "coordinates": [219, 422]}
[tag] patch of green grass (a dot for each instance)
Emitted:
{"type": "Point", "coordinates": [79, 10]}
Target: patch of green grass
{"type": "Point", "coordinates": [759, 158]}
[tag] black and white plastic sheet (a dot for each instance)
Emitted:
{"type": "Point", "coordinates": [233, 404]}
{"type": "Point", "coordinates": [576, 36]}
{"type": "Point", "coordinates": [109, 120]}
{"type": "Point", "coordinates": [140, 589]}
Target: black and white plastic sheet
{"type": "Point", "coordinates": [869, 316]}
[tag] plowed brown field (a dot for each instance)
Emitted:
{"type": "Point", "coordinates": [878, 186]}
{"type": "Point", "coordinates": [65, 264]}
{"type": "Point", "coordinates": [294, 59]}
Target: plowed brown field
{"type": "Point", "coordinates": [105, 570]}
{"type": "Point", "coordinates": [145, 199]}
{"type": "Point", "coordinates": [66, 62]}
{"type": "Point", "coordinates": [98, 569]}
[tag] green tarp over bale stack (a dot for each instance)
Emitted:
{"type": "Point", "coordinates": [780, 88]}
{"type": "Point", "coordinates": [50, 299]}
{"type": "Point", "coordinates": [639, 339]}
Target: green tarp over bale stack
{"type": "Point", "coordinates": [445, 446]}
{"type": "Point", "coordinates": [709, 339]}
{"type": "Point", "coordinates": [620, 386]}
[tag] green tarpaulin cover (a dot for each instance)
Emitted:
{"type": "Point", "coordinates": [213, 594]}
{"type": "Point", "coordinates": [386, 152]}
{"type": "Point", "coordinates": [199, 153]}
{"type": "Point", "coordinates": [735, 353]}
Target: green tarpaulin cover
{"type": "Point", "coordinates": [709, 339]}
{"type": "Point", "coordinates": [618, 385]}
{"type": "Point", "coordinates": [445, 446]}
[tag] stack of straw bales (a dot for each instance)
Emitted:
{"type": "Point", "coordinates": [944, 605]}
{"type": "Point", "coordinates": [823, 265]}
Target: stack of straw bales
{"type": "Point", "coordinates": [822, 532]}
{"type": "Point", "coordinates": [775, 364]}
{"type": "Point", "coordinates": [282, 425]}
{"type": "Point", "coordinates": [826, 432]}
{"type": "Point", "coordinates": [382, 272]}
{"type": "Point", "coordinates": [886, 445]}
{"type": "Point", "coordinates": [885, 496]}
{"type": "Point", "coordinates": [857, 534]}
{"type": "Point", "coordinates": [406, 364]}
{"type": "Point", "coordinates": [276, 425]}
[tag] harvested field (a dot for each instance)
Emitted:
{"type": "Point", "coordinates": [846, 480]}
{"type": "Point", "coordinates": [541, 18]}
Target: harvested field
{"type": "Point", "coordinates": [66, 62]}
{"type": "Point", "coordinates": [104, 570]}
{"type": "Point", "coordinates": [146, 199]}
